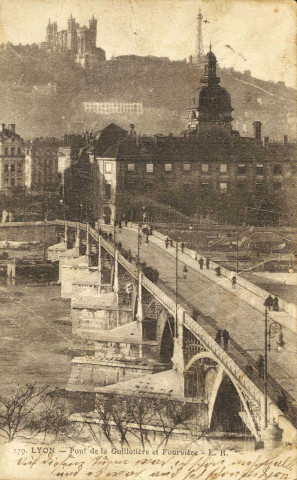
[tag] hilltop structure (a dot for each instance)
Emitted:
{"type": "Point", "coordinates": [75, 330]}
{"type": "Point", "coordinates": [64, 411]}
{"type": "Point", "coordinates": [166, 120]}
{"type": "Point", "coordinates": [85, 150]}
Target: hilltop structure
{"type": "Point", "coordinates": [79, 40]}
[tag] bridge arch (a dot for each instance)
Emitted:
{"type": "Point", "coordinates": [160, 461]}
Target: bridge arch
{"type": "Point", "coordinates": [222, 372]}
{"type": "Point", "coordinates": [164, 336]}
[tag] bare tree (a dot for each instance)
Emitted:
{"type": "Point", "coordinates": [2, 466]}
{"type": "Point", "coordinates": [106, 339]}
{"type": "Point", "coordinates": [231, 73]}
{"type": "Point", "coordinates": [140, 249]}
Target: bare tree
{"type": "Point", "coordinates": [134, 415]}
{"type": "Point", "coordinates": [32, 410]}
{"type": "Point", "coordinates": [171, 415]}
{"type": "Point", "coordinates": [139, 413]}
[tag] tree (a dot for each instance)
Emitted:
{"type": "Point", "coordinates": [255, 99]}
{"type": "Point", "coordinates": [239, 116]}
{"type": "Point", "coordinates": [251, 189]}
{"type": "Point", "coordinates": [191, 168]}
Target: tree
{"type": "Point", "coordinates": [135, 416]}
{"type": "Point", "coordinates": [32, 410]}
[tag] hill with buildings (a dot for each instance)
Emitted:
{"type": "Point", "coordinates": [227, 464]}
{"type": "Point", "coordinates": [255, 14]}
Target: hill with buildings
{"type": "Point", "coordinates": [43, 92]}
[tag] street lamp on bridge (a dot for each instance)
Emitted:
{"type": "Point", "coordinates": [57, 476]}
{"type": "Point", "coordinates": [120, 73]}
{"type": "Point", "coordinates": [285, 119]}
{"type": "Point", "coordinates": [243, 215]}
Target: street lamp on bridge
{"type": "Point", "coordinates": [270, 331]}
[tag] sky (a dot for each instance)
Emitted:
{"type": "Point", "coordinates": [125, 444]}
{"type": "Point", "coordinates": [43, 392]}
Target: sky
{"type": "Point", "coordinates": [261, 34]}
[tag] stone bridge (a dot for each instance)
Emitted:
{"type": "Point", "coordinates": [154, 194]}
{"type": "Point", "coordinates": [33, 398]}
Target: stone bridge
{"type": "Point", "coordinates": [137, 339]}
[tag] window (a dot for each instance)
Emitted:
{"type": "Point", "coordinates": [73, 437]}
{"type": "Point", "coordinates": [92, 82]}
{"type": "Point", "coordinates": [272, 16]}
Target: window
{"type": "Point", "coordinates": [108, 191]}
{"type": "Point", "coordinates": [241, 185]}
{"type": "Point", "coordinates": [6, 168]}
{"type": "Point", "coordinates": [259, 186]}
{"type": "Point", "coordinates": [205, 186]}
{"type": "Point", "coordinates": [186, 167]}
{"type": "Point", "coordinates": [204, 167]}
{"type": "Point", "coordinates": [223, 168]}
{"type": "Point", "coordinates": [277, 186]}
{"type": "Point", "coordinates": [149, 168]}
{"type": "Point", "coordinates": [223, 187]}
{"type": "Point", "coordinates": [12, 182]}
{"type": "Point", "coordinates": [241, 169]}
{"type": "Point", "coordinates": [259, 169]}
{"type": "Point", "coordinates": [6, 151]}
{"type": "Point", "coordinates": [108, 168]}
{"type": "Point", "coordinates": [12, 151]}
{"type": "Point", "coordinates": [168, 167]}
{"type": "Point", "coordinates": [131, 167]}
{"type": "Point", "coordinates": [19, 151]}
{"type": "Point", "coordinates": [12, 167]}
{"type": "Point", "coordinates": [277, 169]}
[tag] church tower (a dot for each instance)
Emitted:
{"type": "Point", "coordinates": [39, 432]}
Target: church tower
{"type": "Point", "coordinates": [93, 32]}
{"type": "Point", "coordinates": [214, 108]}
{"type": "Point", "coordinates": [71, 34]}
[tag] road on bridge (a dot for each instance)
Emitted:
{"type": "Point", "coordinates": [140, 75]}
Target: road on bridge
{"type": "Point", "coordinates": [221, 309]}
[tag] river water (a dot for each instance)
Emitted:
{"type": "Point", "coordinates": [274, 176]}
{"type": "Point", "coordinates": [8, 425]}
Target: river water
{"type": "Point", "coordinates": [34, 333]}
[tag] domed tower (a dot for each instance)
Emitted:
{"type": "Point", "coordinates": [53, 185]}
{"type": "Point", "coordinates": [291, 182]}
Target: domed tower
{"type": "Point", "coordinates": [214, 108]}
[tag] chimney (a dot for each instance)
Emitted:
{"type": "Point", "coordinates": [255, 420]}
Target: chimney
{"type": "Point", "coordinates": [11, 127]}
{"type": "Point", "coordinates": [285, 138]}
{"type": "Point", "coordinates": [3, 127]}
{"type": "Point", "coordinates": [266, 141]}
{"type": "Point", "coordinates": [257, 130]}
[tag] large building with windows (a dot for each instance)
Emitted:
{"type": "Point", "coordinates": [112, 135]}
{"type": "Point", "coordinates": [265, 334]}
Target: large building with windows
{"type": "Point", "coordinates": [114, 108]}
{"type": "Point", "coordinates": [41, 164]}
{"type": "Point", "coordinates": [12, 158]}
{"type": "Point", "coordinates": [209, 166]}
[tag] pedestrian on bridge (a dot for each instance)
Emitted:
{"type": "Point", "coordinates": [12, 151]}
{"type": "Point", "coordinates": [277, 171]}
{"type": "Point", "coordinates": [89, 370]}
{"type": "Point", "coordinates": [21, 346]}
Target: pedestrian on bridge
{"type": "Point", "coordinates": [166, 242]}
{"type": "Point", "coordinates": [182, 245]}
{"type": "Point", "coordinates": [260, 366]}
{"type": "Point", "coordinates": [171, 242]}
{"type": "Point", "coordinates": [201, 263]}
{"type": "Point", "coordinates": [226, 337]}
{"type": "Point", "coordinates": [185, 272]}
{"type": "Point", "coordinates": [268, 302]}
{"type": "Point", "coordinates": [139, 237]}
{"type": "Point", "coordinates": [218, 337]}
{"type": "Point", "coordinates": [207, 263]}
{"type": "Point", "coordinates": [234, 282]}
{"type": "Point", "coordinates": [218, 271]}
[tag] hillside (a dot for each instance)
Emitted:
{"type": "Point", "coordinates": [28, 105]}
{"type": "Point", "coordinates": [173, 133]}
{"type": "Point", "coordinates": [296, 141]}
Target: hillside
{"type": "Point", "coordinates": [165, 88]}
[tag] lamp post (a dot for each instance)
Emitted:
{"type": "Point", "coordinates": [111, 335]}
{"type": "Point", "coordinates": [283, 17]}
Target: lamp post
{"type": "Point", "coordinates": [62, 208]}
{"type": "Point", "coordinates": [176, 290]}
{"type": "Point", "coordinates": [271, 330]}
{"type": "Point", "coordinates": [237, 248]}
{"type": "Point", "coordinates": [81, 207]}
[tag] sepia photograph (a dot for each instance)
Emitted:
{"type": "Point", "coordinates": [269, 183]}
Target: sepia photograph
{"type": "Point", "coordinates": [148, 239]}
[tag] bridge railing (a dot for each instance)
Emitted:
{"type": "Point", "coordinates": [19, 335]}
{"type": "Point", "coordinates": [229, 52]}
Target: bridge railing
{"type": "Point", "coordinates": [226, 360]}
{"type": "Point", "coordinates": [246, 384]}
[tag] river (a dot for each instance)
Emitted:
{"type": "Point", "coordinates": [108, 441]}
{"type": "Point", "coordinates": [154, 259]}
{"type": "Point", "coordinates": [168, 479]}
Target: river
{"type": "Point", "coordinates": [35, 333]}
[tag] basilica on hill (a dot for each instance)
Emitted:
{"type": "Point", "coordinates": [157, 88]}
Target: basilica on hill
{"type": "Point", "coordinates": [79, 40]}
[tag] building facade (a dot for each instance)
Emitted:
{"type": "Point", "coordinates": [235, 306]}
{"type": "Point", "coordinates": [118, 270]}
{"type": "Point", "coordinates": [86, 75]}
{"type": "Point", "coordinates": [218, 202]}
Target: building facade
{"type": "Point", "coordinates": [114, 108]}
{"type": "Point", "coordinates": [208, 169]}
{"type": "Point", "coordinates": [12, 159]}
{"type": "Point", "coordinates": [41, 164]}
